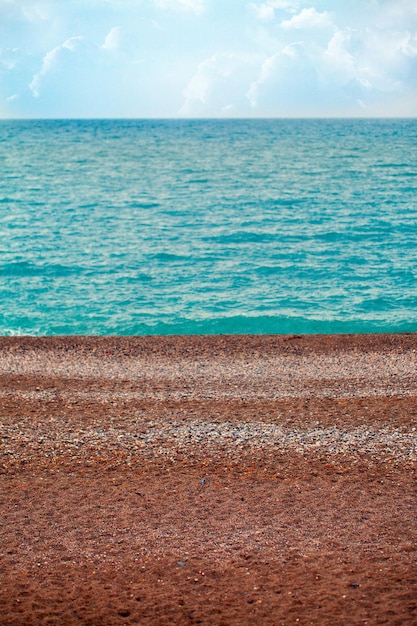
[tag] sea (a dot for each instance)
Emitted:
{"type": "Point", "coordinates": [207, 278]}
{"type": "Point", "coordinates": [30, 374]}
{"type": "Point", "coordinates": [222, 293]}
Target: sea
{"type": "Point", "coordinates": [167, 227]}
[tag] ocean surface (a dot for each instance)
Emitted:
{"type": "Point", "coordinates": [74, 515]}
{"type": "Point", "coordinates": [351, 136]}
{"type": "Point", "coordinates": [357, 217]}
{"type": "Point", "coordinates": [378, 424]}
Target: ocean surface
{"type": "Point", "coordinates": [138, 227]}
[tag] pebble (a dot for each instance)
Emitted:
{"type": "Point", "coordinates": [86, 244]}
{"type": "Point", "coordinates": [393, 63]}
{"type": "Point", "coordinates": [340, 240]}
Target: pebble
{"type": "Point", "coordinates": [54, 425]}
{"type": "Point", "coordinates": [196, 436]}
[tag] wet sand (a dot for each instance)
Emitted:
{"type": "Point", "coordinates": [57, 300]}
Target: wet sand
{"type": "Point", "coordinates": [209, 480]}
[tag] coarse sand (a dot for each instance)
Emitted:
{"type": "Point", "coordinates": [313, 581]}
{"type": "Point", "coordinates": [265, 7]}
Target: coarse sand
{"type": "Point", "coordinates": [226, 480]}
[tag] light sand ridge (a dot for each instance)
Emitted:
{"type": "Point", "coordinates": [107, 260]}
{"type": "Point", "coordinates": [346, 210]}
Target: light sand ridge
{"type": "Point", "coordinates": [164, 437]}
{"type": "Point", "coordinates": [372, 366]}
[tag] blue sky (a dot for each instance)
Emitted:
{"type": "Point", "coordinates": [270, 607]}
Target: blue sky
{"type": "Point", "coordinates": [208, 58]}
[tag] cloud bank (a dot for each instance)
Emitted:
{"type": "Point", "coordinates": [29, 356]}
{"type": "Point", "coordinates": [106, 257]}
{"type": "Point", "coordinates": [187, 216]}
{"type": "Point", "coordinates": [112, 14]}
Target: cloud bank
{"type": "Point", "coordinates": [206, 58]}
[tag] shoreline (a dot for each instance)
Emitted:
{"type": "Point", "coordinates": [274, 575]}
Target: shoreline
{"type": "Point", "coordinates": [209, 479]}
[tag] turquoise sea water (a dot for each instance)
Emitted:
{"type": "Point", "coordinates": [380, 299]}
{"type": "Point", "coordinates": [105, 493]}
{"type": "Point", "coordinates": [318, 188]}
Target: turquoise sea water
{"type": "Point", "coordinates": [228, 226]}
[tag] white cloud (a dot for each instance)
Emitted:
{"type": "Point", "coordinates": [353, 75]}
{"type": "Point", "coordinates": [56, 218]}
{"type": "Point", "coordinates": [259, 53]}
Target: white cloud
{"type": "Point", "coordinates": [267, 69]}
{"type": "Point", "coordinates": [198, 88]}
{"type": "Point", "coordinates": [308, 18]}
{"type": "Point", "coordinates": [266, 10]}
{"type": "Point", "coordinates": [219, 84]}
{"type": "Point", "coordinates": [303, 77]}
{"type": "Point", "coordinates": [80, 78]}
{"type": "Point", "coordinates": [259, 57]}
{"type": "Point", "coordinates": [8, 59]}
{"type": "Point", "coordinates": [340, 62]}
{"type": "Point", "coordinates": [209, 73]}
{"type": "Point", "coordinates": [113, 39]}
{"type": "Point", "coordinates": [279, 76]}
{"type": "Point", "coordinates": [50, 61]}
{"type": "Point", "coordinates": [342, 71]}
{"type": "Point", "coordinates": [377, 59]}
{"type": "Point", "coordinates": [263, 11]}
{"type": "Point", "coordinates": [409, 44]}
{"type": "Point", "coordinates": [36, 12]}
{"type": "Point", "coordinates": [194, 6]}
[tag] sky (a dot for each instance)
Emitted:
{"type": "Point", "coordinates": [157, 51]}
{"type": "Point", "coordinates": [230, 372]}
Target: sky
{"type": "Point", "coordinates": [208, 58]}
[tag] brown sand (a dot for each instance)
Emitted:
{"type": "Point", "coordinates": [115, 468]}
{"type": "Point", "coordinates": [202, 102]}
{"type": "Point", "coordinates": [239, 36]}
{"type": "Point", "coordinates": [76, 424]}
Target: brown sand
{"type": "Point", "coordinates": [209, 480]}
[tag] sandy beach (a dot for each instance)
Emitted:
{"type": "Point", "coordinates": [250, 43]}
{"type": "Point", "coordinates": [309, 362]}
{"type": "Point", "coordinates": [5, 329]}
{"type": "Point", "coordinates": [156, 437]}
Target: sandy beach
{"type": "Point", "coordinates": [227, 480]}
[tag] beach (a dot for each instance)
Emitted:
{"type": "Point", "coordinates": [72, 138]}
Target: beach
{"type": "Point", "coordinates": [228, 479]}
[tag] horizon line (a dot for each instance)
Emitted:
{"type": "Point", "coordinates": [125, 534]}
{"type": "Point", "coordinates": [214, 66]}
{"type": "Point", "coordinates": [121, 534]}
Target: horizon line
{"type": "Point", "coordinates": [211, 118]}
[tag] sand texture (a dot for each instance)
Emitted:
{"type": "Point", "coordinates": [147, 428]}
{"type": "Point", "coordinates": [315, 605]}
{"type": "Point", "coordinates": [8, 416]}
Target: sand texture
{"type": "Point", "coordinates": [230, 480]}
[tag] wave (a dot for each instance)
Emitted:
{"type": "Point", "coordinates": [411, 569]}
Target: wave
{"type": "Point", "coordinates": [242, 237]}
{"type": "Point", "coordinates": [28, 268]}
{"type": "Point", "coordinates": [242, 325]}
